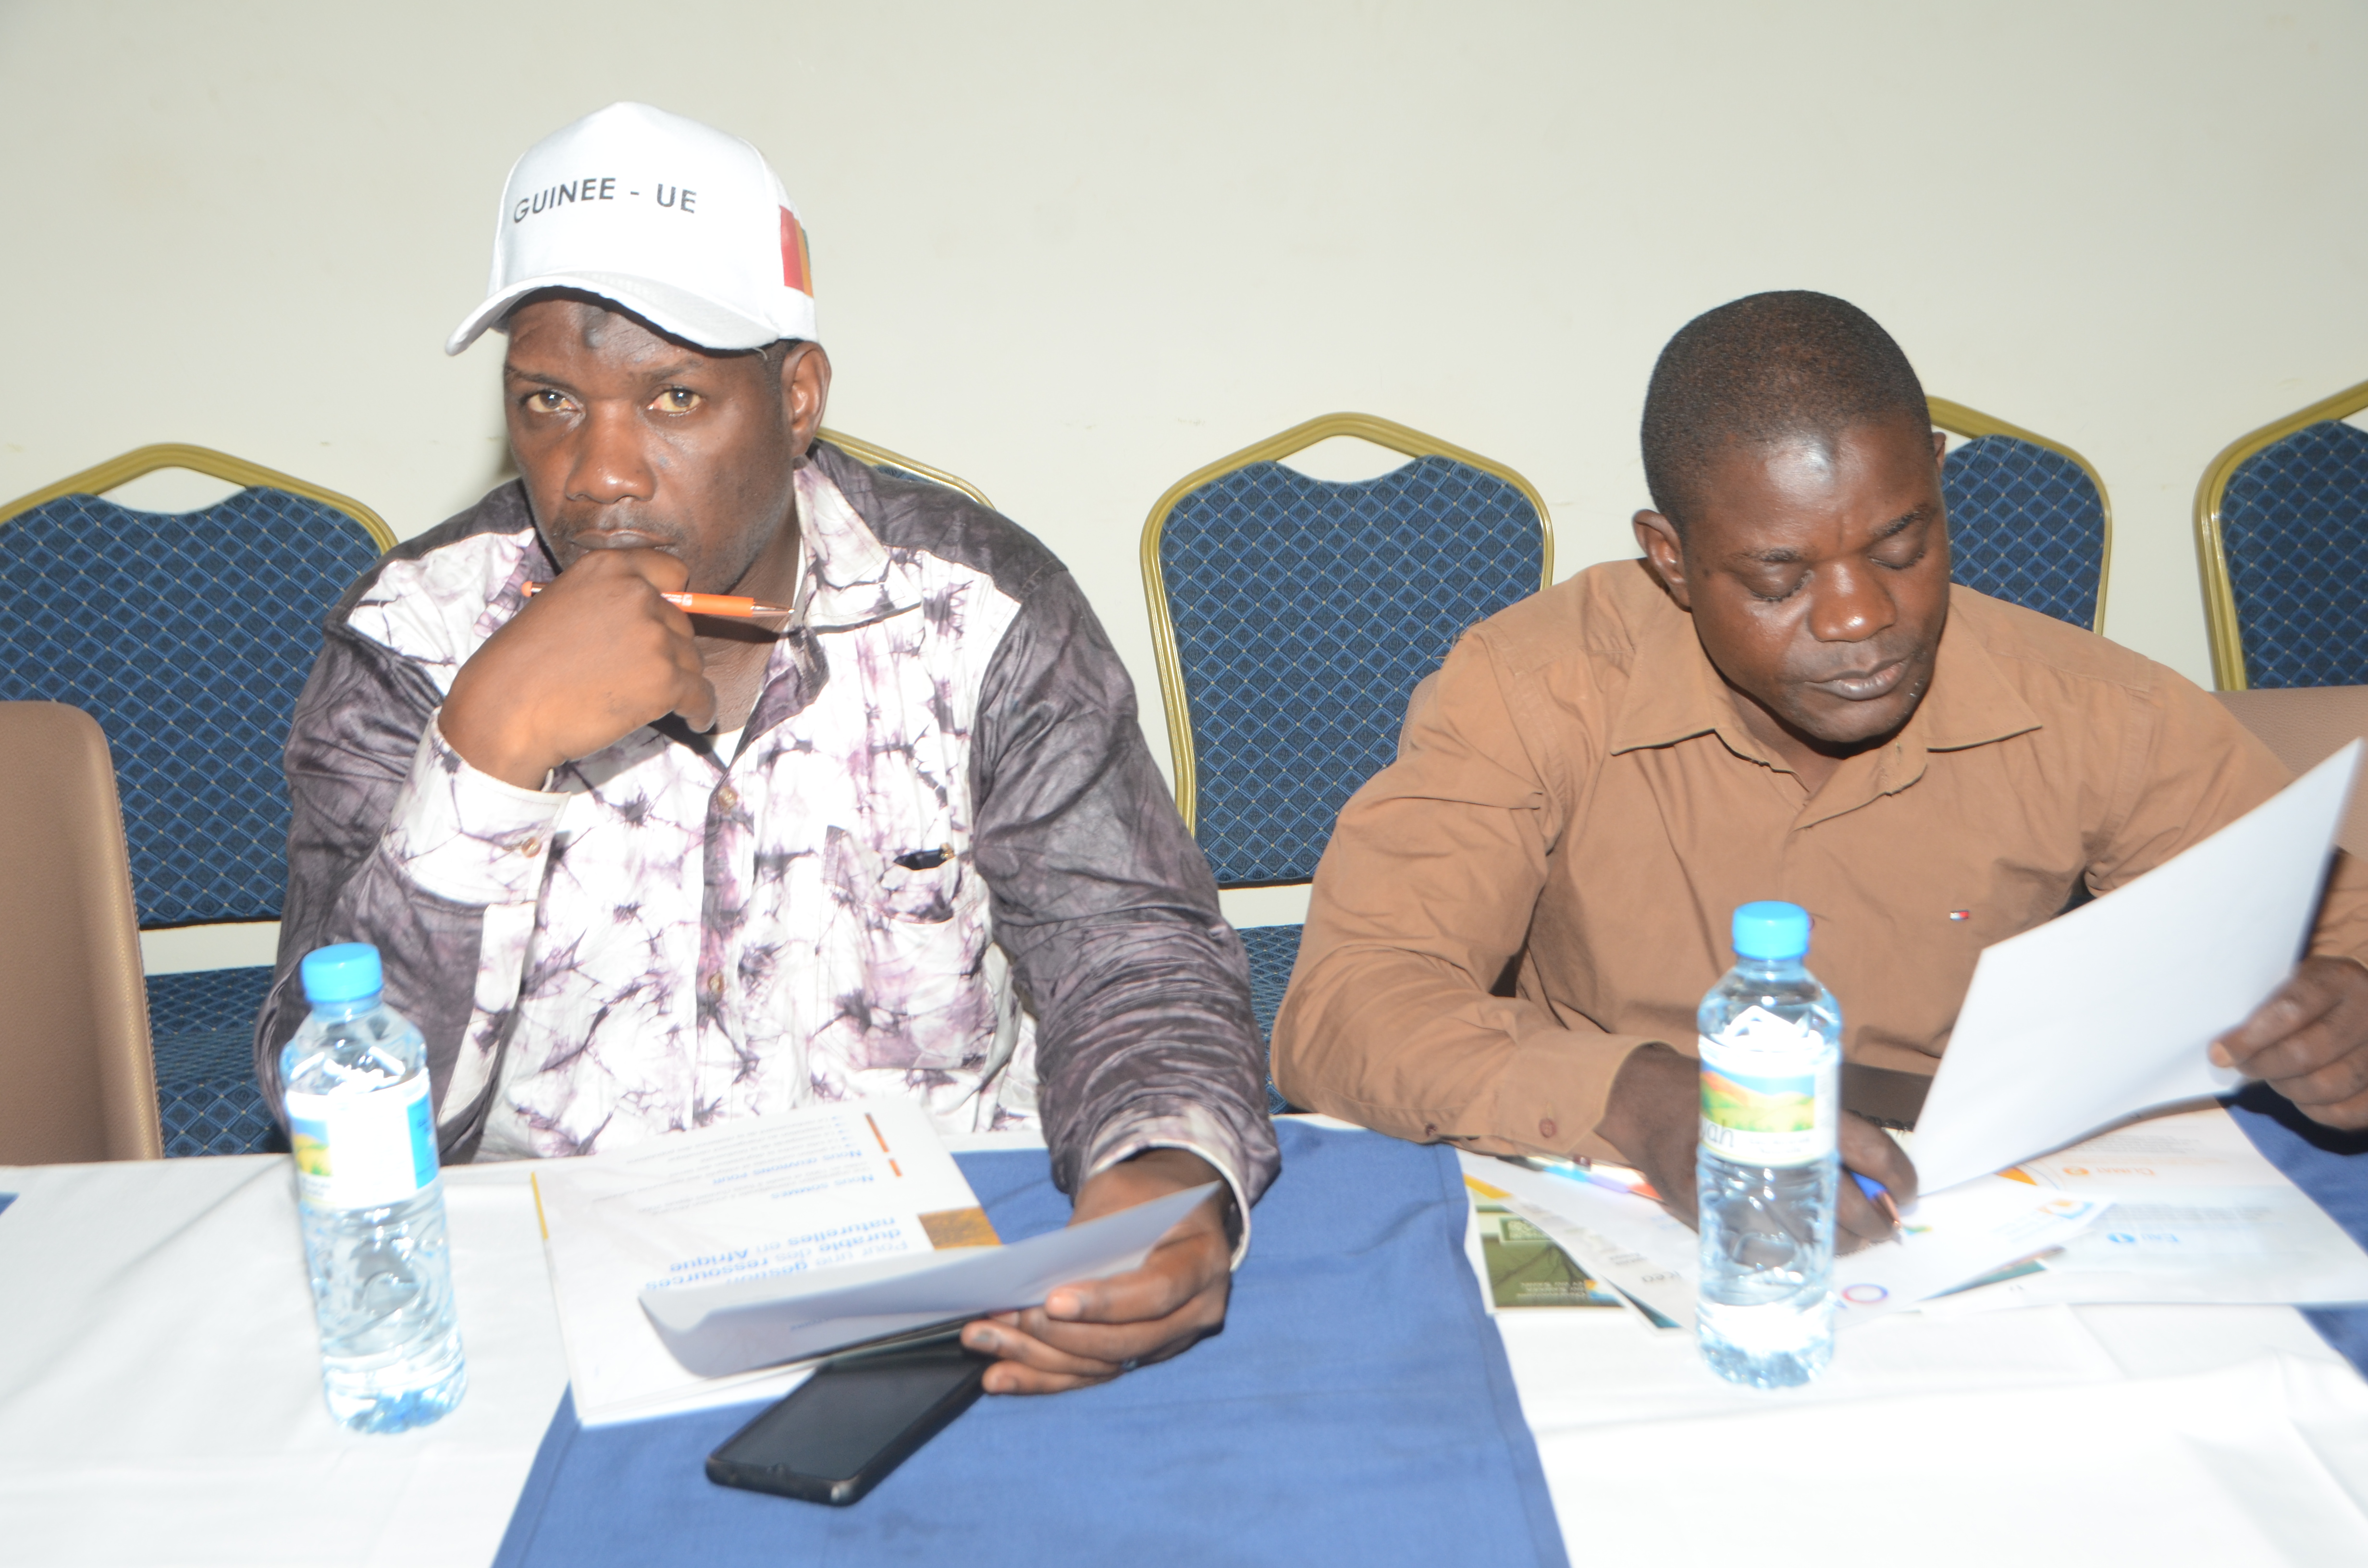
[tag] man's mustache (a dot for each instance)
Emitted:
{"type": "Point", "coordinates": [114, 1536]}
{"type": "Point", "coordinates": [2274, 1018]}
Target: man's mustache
{"type": "Point", "coordinates": [640, 532]}
{"type": "Point", "coordinates": [1860, 661]}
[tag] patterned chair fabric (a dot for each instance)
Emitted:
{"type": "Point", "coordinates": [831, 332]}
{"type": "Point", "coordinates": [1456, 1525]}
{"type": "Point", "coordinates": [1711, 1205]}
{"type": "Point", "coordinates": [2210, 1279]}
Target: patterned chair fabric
{"type": "Point", "coordinates": [1272, 951]}
{"type": "Point", "coordinates": [2025, 525]}
{"type": "Point", "coordinates": [2293, 526]}
{"type": "Point", "coordinates": [188, 637]}
{"type": "Point", "coordinates": [203, 1027]}
{"type": "Point", "coordinates": [1305, 612]}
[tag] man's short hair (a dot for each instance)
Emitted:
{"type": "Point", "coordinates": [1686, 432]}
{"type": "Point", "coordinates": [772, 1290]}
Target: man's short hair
{"type": "Point", "coordinates": [1763, 370]}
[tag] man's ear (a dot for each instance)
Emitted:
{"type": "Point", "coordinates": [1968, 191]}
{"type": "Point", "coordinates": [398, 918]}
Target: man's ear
{"type": "Point", "coordinates": [1666, 554]}
{"type": "Point", "coordinates": [805, 393]}
{"type": "Point", "coordinates": [1939, 447]}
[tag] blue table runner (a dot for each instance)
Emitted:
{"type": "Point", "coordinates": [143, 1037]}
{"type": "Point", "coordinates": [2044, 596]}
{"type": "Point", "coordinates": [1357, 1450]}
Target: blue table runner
{"type": "Point", "coordinates": [2330, 1166]}
{"type": "Point", "coordinates": [1357, 1408]}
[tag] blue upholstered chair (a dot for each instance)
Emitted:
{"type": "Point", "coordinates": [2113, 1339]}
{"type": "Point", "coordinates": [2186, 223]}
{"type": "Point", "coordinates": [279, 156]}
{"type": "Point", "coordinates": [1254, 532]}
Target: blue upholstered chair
{"type": "Point", "coordinates": [187, 636]}
{"type": "Point", "coordinates": [1292, 618]}
{"type": "Point", "coordinates": [898, 466]}
{"type": "Point", "coordinates": [2282, 528]}
{"type": "Point", "coordinates": [2029, 520]}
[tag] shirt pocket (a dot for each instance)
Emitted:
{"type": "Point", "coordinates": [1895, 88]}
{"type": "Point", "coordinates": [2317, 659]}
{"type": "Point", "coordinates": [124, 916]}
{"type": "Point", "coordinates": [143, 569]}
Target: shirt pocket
{"type": "Point", "coordinates": [923, 886]}
{"type": "Point", "coordinates": [910, 981]}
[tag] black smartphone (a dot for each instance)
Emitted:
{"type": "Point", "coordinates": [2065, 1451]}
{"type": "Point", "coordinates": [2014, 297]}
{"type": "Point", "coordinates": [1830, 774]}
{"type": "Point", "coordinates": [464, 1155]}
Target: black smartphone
{"type": "Point", "coordinates": [860, 1417]}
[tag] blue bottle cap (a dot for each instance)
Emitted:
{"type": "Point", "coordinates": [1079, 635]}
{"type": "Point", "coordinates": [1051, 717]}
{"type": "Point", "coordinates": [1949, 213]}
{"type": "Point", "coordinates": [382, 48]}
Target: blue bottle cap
{"type": "Point", "coordinates": [346, 972]}
{"type": "Point", "coordinates": [1769, 929]}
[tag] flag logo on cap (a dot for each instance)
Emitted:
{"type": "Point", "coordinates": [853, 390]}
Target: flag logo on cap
{"type": "Point", "coordinates": [797, 265]}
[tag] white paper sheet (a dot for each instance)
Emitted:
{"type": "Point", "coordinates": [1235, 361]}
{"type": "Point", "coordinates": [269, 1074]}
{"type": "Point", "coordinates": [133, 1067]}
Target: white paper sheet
{"type": "Point", "coordinates": [1957, 1235]}
{"type": "Point", "coordinates": [2200, 1215]}
{"type": "Point", "coordinates": [859, 1180]}
{"type": "Point", "coordinates": [2108, 1011]}
{"type": "Point", "coordinates": [725, 1329]}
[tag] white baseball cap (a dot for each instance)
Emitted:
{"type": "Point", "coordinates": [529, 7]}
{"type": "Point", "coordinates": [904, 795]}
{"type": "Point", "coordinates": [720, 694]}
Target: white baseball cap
{"type": "Point", "coordinates": [678, 222]}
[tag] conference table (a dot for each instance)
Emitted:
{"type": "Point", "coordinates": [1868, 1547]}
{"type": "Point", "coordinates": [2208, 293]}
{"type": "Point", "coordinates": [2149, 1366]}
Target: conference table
{"type": "Point", "coordinates": [159, 1404]}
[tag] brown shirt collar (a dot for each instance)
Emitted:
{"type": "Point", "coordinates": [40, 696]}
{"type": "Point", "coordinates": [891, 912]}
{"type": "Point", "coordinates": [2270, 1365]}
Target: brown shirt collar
{"type": "Point", "coordinates": [1675, 693]}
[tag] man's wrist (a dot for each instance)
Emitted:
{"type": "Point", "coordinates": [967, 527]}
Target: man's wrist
{"type": "Point", "coordinates": [1643, 1092]}
{"type": "Point", "coordinates": [494, 749]}
{"type": "Point", "coordinates": [1187, 1169]}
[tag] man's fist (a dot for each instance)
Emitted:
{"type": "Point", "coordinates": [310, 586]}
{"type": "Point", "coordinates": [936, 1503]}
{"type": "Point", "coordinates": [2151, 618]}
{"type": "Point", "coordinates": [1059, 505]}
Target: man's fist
{"type": "Point", "coordinates": [1655, 1119]}
{"type": "Point", "coordinates": [588, 661]}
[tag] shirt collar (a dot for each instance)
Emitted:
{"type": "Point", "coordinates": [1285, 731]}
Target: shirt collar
{"type": "Point", "coordinates": [849, 579]}
{"type": "Point", "coordinates": [1675, 693]}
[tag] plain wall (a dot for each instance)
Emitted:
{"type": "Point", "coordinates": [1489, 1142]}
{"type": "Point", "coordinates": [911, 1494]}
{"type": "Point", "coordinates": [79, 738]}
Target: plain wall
{"type": "Point", "coordinates": [1072, 252]}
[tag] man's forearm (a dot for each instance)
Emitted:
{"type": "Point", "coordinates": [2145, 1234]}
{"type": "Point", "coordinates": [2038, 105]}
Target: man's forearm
{"type": "Point", "coordinates": [1407, 1044]}
{"type": "Point", "coordinates": [1145, 1041]}
{"type": "Point", "coordinates": [380, 847]}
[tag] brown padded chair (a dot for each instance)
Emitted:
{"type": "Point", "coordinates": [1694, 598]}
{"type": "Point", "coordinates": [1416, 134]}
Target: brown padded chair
{"type": "Point", "coordinates": [2306, 725]}
{"type": "Point", "coordinates": [75, 1079]}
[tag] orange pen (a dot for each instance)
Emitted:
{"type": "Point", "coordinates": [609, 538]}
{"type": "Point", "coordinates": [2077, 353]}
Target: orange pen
{"type": "Point", "coordinates": [731, 604]}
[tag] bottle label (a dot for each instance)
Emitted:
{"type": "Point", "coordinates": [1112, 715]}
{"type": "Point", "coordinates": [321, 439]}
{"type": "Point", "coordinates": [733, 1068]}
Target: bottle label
{"type": "Point", "coordinates": [1770, 1091]}
{"type": "Point", "coordinates": [363, 1151]}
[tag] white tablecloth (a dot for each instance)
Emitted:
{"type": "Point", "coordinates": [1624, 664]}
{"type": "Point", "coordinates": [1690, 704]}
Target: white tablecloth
{"type": "Point", "coordinates": [160, 1395]}
{"type": "Point", "coordinates": [160, 1405]}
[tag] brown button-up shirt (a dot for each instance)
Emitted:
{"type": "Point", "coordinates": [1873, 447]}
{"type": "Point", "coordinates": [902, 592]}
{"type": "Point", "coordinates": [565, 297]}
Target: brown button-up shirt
{"type": "Point", "coordinates": [1543, 880]}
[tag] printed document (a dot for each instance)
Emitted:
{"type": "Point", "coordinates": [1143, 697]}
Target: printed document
{"type": "Point", "coordinates": [1636, 1245]}
{"type": "Point", "coordinates": [660, 1250]}
{"type": "Point", "coordinates": [2107, 1012]}
{"type": "Point", "coordinates": [2199, 1215]}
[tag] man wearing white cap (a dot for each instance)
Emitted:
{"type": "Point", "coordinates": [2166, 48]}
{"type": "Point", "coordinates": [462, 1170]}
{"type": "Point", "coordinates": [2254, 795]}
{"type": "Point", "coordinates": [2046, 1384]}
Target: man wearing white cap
{"type": "Point", "coordinates": [635, 868]}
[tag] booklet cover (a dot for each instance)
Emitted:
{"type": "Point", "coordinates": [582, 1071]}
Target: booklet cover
{"type": "Point", "coordinates": [1525, 1268]}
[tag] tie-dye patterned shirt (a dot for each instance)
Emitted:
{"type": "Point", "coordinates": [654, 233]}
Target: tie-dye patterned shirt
{"type": "Point", "coordinates": [941, 864]}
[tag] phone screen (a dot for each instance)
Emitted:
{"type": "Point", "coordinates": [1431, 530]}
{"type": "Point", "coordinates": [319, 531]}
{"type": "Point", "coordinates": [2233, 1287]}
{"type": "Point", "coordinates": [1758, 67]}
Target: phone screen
{"type": "Point", "coordinates": [850, 1414]}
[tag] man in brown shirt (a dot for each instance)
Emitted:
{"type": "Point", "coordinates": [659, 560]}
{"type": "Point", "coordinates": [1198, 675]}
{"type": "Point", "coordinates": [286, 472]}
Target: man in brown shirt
{"type": "Point", "coordinates": [1785, 698]}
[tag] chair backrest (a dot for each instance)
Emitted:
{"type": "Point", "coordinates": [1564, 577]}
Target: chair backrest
{"type": "Point", "coordinates": [76, 1080]}
{"type": "Point", "coordinates": [2029, 519]}
{"type": "Point", "coordinates": [2282, 536]}
{"type": "Point", "coordinates": [902, 467]}
{"type": "Point", "coordinates": [187, 636]}
{"type": "Point", "coordinates": [1292, 618]}
{"type": "Point", "coordinates": [2305, 725]}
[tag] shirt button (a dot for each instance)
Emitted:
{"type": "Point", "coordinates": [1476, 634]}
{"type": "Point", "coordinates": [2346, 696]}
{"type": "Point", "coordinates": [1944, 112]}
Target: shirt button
{"type": "Point", "coordinates": [530, 847]}
{"type": "Point", "coordinates": [726, 798]}
{"type": "Point", "coordinates": [1546, 1128]}
{"type": "Point", "coordinates": [715, 985]}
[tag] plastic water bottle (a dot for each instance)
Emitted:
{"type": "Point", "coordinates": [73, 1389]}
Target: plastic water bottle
{"type": "Point", "coordinates": [1769, 1165]}
{"type": "Point", "coordinates": [373, 1202]}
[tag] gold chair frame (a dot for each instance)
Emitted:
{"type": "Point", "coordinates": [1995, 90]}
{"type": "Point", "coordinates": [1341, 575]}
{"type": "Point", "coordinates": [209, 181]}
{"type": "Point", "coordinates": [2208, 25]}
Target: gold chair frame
{"type": "Point", "coordinates": [1972, 424]}
{"type": "Point", "coordinates": [874, 456]}
{"type": "Point", "coordinates": [1403, 439]}
{"type": "Point", "coordinates": [142, 460]}
{"type": "Point", "coordinates": [2220, 628]}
